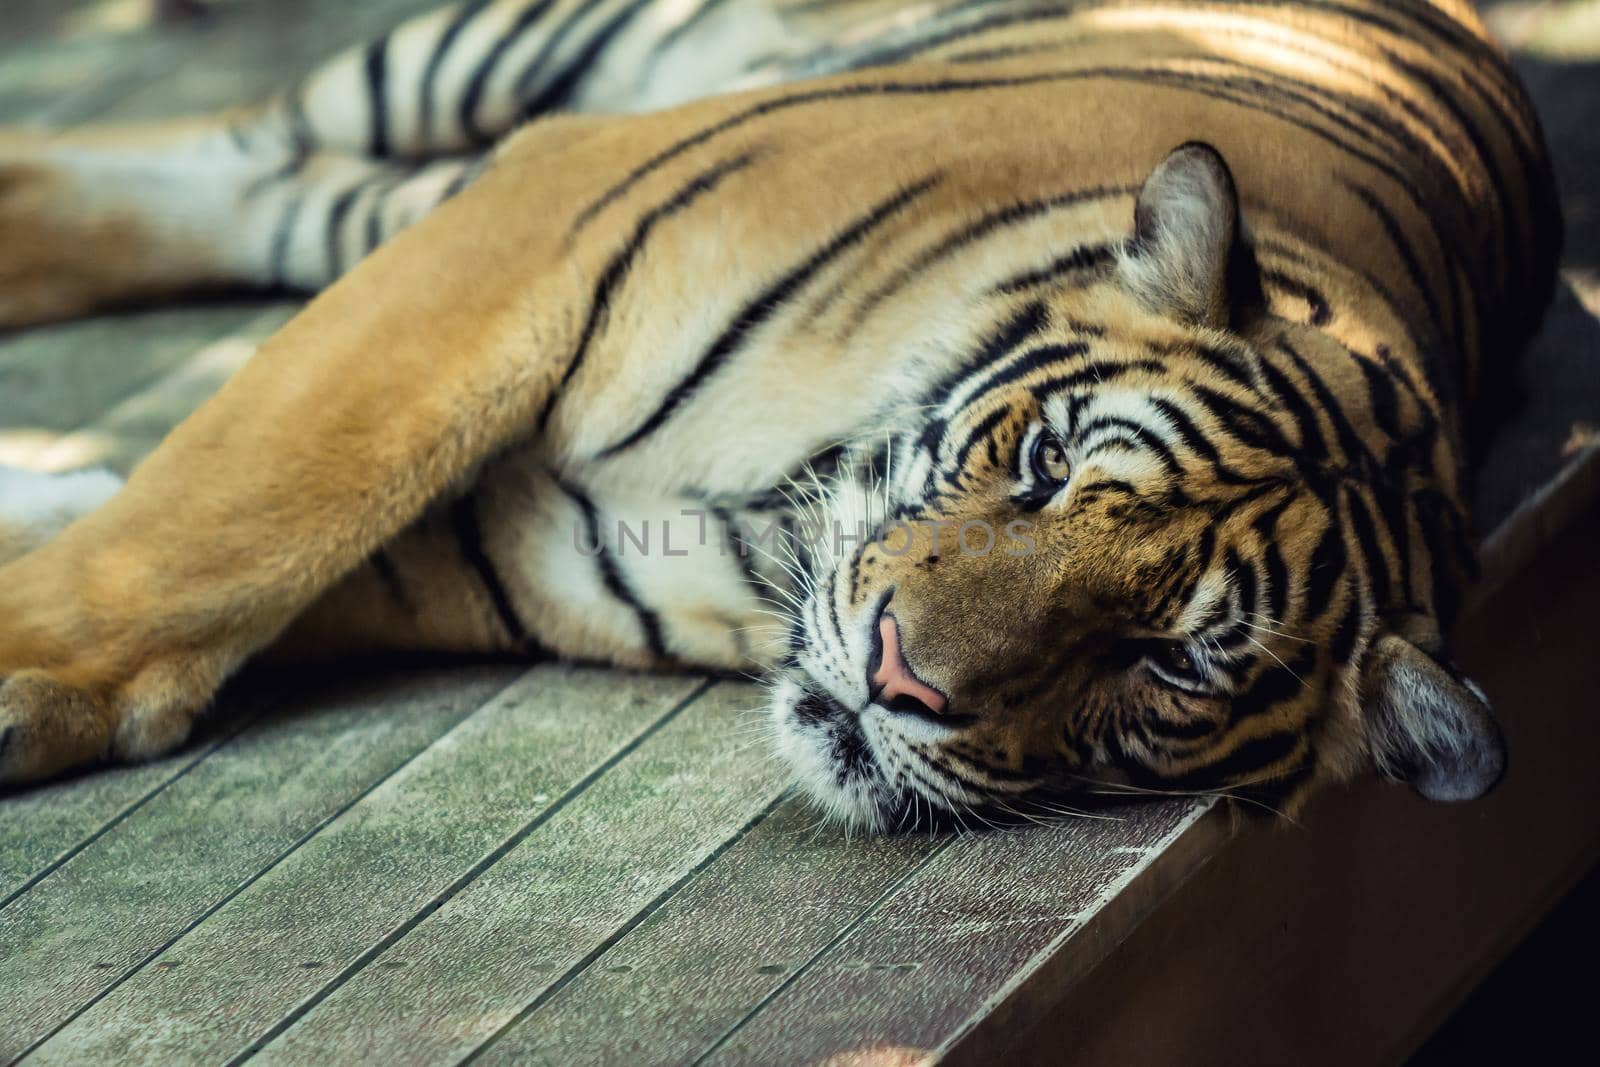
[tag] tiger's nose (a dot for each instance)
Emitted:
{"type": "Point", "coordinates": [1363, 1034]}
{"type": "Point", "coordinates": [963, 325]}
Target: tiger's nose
{"type": "Point", "coordinates": [893, 683]}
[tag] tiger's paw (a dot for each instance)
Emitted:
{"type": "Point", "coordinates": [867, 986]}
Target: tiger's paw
{"type": "Point", "coordinates": [89, 671]}
{"type": "Point", "coordinates": [50, 724]}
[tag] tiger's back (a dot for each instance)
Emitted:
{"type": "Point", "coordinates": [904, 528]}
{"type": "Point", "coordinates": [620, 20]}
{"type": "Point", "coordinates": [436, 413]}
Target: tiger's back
{"type": "Point", "coordinates": [1392, 176]}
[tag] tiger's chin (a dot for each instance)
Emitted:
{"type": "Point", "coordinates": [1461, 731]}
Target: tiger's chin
{"type": "Point", "coordinates": [831, 756]}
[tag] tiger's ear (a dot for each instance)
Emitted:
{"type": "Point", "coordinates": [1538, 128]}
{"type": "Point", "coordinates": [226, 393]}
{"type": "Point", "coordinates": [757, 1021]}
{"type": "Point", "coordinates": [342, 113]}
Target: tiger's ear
{"type": "Point", "coordinates": [1428, 727]}
{"type": "Point", "coordinates": [1185, 234]}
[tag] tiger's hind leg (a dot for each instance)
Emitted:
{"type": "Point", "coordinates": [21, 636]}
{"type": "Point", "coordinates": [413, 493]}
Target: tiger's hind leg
{"type": "Point", "coordinates": [294, 192]}
{"type": "Point", "coordinates": [100, 218]}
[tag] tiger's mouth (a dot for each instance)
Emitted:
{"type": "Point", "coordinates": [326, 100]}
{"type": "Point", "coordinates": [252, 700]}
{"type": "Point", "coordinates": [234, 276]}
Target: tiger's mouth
{"type": "Point", "coordinates": [844, 715]}
{"type": "Point", "coordinates": [827, 746]}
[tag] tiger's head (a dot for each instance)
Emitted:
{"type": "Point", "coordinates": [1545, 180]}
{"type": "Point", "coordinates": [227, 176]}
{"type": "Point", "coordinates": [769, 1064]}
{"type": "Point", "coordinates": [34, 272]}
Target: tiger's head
{"type": "Point", "coordinates": [1152, 537]}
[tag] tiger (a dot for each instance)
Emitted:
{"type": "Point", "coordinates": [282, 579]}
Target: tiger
{"type": "Point", "coordinates": [1045, 398]}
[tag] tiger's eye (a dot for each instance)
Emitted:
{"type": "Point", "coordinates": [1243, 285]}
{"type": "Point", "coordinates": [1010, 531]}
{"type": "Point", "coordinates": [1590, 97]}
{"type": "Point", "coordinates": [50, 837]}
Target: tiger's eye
{"type": "Point", "coordinates": [1174, 658]}
{"type": "Point", "coordinates": [1050, 461]}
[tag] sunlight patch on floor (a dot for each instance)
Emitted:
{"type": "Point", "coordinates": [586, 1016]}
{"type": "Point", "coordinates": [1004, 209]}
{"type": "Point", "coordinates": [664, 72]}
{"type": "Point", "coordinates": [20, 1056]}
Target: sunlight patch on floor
{"type": "Point", "coordinates": [1566, 31]}
{"type": "Point", "coordinates": [109, 17]}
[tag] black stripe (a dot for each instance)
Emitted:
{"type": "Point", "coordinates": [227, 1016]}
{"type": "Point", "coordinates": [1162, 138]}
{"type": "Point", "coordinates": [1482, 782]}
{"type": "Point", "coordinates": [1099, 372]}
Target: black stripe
{"type": "Point", "coordinates": [1098, 373]}
{"type": "Point", "coordinates": [1413, 333]}
{"type": "Point", "coordinates": [783, 103]}
{"type": "Point", "coordinates": [1277, 578]}
{"type": "Point", "coordinates": [881, 55]}
{"type": "Point", "coordinates": [1367, 539]}
{"type": "Point", "coordinates": [377, 71]}
{"type": "Point", "coordinates": [1014, 332]}
{"type": "Point", "coordinates": [831, 592]}
{"type": "Point", "coordinates": [1326, 567]}
{"type": "Point", "coordinates": [469, 173]}
{"type": "Point", "coordinates": [559, 90]}
{"type": "Point", "coordinates": [616, 270]}
{"type": "Point", "coordinates": [1132, 432]}
{"type": "Point", "coordinates": [1408, 257]}
{"type": "Point", "coordinates": [1395, 516]}
{"type": "Point", "coordinates": [389, 575]}
{"type": "Point", "coordinates": [823, 464]}
{"type": "Point", "coordinates": [733, 539]}
{"type": "Point", "coordinates": [469, 535]}
{"type": "Point", "coordinates": [1383, 397]}
{"type": "Point", "coordinates": [1277, 791]}
{"type": "Point", "coordinates": [1434, 528]}
{"type": "Point", "coordinates": [286, 173]}
{"type": "Point", "coordinates": [1244, 581]}
{"type": "Point", "coordinates": [970, 234]}
{"type": "Point", "coordinates": [1244, 424]}
{"type": "Point", "coordinates": [1101, 486]}
{"type": "Point", "coordinates": [1273, 686]}
{"type": "Point", "coordinates": [1355, 450]}
{"type": "Point", "coordinates": [611, 574]}
{"type": "Point", "coordinates": [552, 43]}
{"type": "Point", "coordinates": [1030, 361]}
{"type": "Point", "coordinates": [430, 73]}
{"type": "Point", "coordinates": [1247, 760]}
{"type": "Point", "coordinates": [380, 200]}
{"type": "Point", "coordinates": [1194, 440]}
{"type": "Point", "coordinates": [677, 33]}
{"type": "Point", "coordinates": [1227, 364]}
{"type": "Point", "coordinates": [237, 135]}
{"type": "Point", "coordinates": [1343, 643]}
{"type": "Point", "coordinates": [1164, 729]}
{"type": "Point", "coordinates": [1510, 250]}
{"type": "Point", "coordinates": [1177, 591]}
{"type": "Point", "coordinates": [299, 122]}
{"type": "Point", "coordinates": [1321, 313]}
{"type": "Point", "coordinates": [981, 432]}
{"type": "Point", "coordinates": [337, 213]}
{"type": "Point", "coordinates": [278, 262]}
{"type": "Point", "coordinates": [477, 85]}
{"type": "Point", "coordinates": [763, 307]}
{"type": "Point", "coordinates": [1245, 93]}
{"type": "Point", "coordinates": [1085, 257]}
{"type": "Point", "coordinates": [1313, 446]}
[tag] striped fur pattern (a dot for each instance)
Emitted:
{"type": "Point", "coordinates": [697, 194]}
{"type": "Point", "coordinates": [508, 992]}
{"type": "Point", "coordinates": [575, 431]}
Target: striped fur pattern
{"type": "Point", "coordinates": [1049, 396]}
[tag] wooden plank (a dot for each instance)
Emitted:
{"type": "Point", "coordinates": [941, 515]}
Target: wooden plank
{"type": "Point", "coordinates": [45, 826]}
{"type": "Point", "coordinates": [131, 429]}
{"type": "Point", "coordinates": [107, 64]}
{"type": "Point", "coordinates": [1385, 909]}
{"type": "Point", "coordinates": [956, 939]}
{"type": "Point", "coordinates": [28, 19]}
{"type": "Point", "coordinates": [250, 50]}
{"type": "Point", "coordinates": [61, 378]}
{"type": "Point", "coordinates": [564, 894]}
{"type": "Point", "coordinates": [103, 914]}
{"type": "Point", "coordinates": [670, 989]}
{"type": "Point", "coordinates": [322, 912]}
{"type": "Point", "coordinates": [61, 66]}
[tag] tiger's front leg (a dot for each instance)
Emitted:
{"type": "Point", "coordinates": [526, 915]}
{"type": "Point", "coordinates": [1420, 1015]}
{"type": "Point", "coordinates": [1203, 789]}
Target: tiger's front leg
{"type": "Point", "coordinates": [383, 395]}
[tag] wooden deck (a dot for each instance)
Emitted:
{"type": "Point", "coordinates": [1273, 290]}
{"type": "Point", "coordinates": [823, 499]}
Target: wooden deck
{"type": "Point", "coordinates": [572, 866]}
